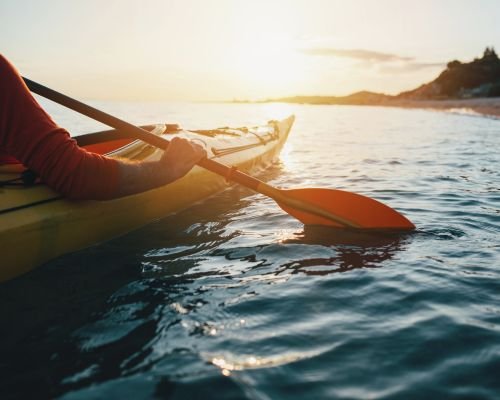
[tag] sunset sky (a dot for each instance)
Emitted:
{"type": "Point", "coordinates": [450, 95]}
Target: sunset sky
{"type": "Point", "coordinates": [225, 49]}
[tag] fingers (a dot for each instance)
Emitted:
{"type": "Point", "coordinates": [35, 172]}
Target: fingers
{"type": "Point", "coordinates": [180, 149]}
{"type": "Point", "coordinates": [180, 156]}
{"type": "Point", "coordinates": [199, 151]}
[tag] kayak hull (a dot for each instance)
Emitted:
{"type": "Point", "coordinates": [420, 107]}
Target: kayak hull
{"type": "Point", "coordinates": [37, 225]}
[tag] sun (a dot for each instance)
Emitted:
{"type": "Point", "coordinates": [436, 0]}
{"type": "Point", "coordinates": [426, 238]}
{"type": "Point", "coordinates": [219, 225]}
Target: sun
{"type": "Point", "coordinates": [268, 64]}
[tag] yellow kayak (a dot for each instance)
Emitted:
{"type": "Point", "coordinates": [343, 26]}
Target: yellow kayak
{"type": "Point", "coordinates": [37, 224]}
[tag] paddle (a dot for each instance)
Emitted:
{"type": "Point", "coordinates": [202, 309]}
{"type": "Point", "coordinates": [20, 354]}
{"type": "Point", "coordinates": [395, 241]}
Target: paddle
{"type": "Point", "coordinates": [311, 206]}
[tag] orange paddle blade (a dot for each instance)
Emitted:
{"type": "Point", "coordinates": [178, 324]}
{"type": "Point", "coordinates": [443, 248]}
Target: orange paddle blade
{"type": "Point", "coordinates": [363, 211]}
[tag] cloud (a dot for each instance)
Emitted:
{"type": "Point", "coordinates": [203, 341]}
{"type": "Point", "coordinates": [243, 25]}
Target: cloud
{"type": "Point", "coordinates": [358, 54]}
{"type": "Point", "coordinates": [410, 66]}
{"type": "Point", "coordinates": [387, 62]}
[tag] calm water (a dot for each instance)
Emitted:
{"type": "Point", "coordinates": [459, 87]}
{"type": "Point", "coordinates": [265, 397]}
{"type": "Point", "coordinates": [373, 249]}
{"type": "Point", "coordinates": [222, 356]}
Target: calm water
{"type": "Point", "coordinates": [233, 299]}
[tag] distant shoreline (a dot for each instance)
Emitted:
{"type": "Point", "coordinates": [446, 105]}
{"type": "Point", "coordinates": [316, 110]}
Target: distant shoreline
{"type": "Point", "coordinates": [487, 106]}
{"type": "Point", "coordinates": [472, 87]}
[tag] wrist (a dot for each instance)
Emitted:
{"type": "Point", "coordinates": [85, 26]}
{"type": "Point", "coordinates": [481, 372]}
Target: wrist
{"type": "Point", "coordinates": [139, 177]}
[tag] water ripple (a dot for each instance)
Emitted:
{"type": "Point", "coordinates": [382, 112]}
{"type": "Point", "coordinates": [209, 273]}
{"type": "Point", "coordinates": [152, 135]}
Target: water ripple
{"type": "Point", "coordinates": [234, 299]}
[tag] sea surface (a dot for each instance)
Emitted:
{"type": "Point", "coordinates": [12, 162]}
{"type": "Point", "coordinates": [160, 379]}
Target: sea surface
{"type": "Point", "coordinates": [234, 299]}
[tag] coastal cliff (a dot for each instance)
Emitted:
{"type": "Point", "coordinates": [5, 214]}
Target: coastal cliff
{"type": "Point", "coordinates": [479, 78]}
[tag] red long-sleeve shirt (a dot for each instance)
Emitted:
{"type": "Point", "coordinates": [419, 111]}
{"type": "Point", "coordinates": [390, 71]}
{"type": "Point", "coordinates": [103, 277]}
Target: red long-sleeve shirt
{"type": "Point", "coordinates": [29, 134]}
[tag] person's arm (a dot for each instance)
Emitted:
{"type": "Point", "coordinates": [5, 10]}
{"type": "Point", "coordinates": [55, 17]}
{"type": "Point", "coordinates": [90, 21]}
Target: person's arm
{"type": "Point", "coordinates": [29, 134]}
{"type": "Point", "coordinates": [177, 160]}
{"type": "Point", "coordinates": [102, 178]}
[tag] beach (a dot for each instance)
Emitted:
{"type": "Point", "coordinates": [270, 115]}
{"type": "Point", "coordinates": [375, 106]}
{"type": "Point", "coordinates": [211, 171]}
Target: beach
{"type": "Point", "coordinates": [485, 106]}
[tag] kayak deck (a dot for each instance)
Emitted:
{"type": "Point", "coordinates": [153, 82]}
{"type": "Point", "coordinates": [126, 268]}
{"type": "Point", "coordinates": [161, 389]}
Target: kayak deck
{"type": "Point", "coordinates": [37, 224]}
